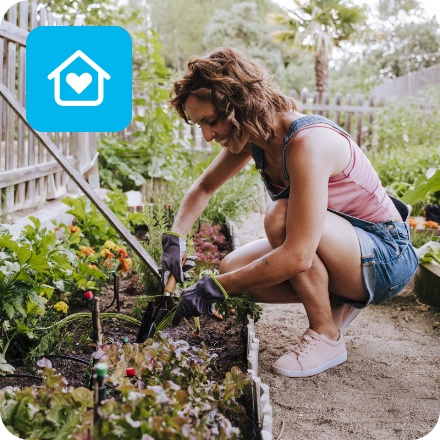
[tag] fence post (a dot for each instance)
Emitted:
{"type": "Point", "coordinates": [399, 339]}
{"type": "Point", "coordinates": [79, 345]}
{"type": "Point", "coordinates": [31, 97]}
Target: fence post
{"type": "Point", "coordinates": [348, 115]}
{"type": "Point", "coordinates": [74, 151]}
{"type": "Point", "coordinates": [325, 101]}
{"type": "Point", "coordinates": [9, 76]}
{"type": "Point", "coordinates": [337, 112]}
{"type": "Point", "coordinates": [93, 173]}
{"type": "Point", "coordinates": [360, 102]}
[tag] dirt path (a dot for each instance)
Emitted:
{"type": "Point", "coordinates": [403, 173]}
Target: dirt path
{"type": "Point", "coordinates": [389, 388]}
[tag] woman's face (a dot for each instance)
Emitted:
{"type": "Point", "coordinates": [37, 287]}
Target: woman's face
{"type": "Point", "coordinates": [202, 113]}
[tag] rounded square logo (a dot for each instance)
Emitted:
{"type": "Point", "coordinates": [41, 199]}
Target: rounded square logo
{"type": "Point", "coordinates": [79, 78]}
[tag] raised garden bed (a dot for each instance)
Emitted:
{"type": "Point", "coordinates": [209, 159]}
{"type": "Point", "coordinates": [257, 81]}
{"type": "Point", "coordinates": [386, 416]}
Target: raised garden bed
{"type": "Point", "coordinates": [427, 284]}
{"type": "Point", "coordinates": [228, 343]}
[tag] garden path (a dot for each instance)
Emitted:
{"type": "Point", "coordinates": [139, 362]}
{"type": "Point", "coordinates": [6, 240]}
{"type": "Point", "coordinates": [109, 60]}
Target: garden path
{"type": "Point", "coordinates": [389, 387]}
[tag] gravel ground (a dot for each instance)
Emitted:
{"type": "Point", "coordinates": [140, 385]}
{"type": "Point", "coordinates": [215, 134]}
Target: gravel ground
{"type": "Point", "coordinates": [389, 387]}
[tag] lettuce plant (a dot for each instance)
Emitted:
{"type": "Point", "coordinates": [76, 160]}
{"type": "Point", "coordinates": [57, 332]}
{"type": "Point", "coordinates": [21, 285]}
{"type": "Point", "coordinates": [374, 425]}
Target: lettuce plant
{"type": "Point", "coordinates": [51, 411]}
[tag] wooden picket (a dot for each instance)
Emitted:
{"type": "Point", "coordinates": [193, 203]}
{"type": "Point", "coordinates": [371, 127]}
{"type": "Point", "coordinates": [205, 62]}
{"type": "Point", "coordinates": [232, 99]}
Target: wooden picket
{"type": "Point", "coordinates": [28, 174]}
{"type": "Point", "coordinates": [355, 115]}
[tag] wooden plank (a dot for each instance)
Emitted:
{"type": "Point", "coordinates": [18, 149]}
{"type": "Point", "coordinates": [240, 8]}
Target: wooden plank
{"type": "Point", "coordinates": [11, 15]}
{"type": "Point", "coordinates": [42, 182]}
{"type": "Point", "coordinates": [348, 114]}
{"type": "Point", "coordinates": [9, 75]}
{"type": "Point", "coordinates": [50, 19]}
{"type": "Point", "coordinates": [13, 33]}
{"type": "Point", "coordinates": [21, 152]}
{"type": "Point", "coordinates": [31, 172]}
{"type": "Point", "coordinates": [341, 108]}
{"type": "Point", "coordinates": [33, 15]}
{"type": "Point", "coordinates": [31, 188]}
{"type": "Point", "coordinates": [2, 106]}
{"type": "Point", "coordinates": [43, 17]}
{"type": "Point", "coordinates": [10, 117]}
{"type": "Point", "coordinates": [359, 115]}
{"type": "Point", "coordinates": [337, 105]}
{"type": "Point", "coordinates": [125, 234]}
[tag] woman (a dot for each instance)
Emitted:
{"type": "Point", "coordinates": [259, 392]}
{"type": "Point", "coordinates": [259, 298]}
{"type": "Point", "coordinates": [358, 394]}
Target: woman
{"type": "Point", "coordinates": [335, 240]}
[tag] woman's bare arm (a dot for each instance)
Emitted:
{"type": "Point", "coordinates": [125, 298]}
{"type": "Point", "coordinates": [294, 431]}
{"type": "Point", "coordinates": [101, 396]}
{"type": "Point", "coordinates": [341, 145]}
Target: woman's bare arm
{"type": "Point", "coordinates": [309, 165]}
{"type": "Point", "coordinates": [223, 167]}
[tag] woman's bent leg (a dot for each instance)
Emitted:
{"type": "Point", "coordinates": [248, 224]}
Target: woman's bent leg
{"type": "Point", "coordinates": [281, 293]}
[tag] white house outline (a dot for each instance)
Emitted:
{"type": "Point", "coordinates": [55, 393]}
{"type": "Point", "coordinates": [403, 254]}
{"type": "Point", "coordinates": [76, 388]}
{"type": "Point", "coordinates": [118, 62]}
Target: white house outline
{"type": "Point", "coordinates": [101, 75]}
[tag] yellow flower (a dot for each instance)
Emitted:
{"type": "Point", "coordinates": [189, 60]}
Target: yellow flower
{"type": "Point", "coordinates": [109, 244]}
{"type": "Point", "coordinates": [61, 306]}
{"type": "Point", "coordinates": [107, 254]}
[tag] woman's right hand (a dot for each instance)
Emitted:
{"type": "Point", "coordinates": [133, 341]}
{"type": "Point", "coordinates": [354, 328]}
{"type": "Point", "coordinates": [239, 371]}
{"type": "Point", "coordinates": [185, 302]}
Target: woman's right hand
{"type": "Point", "coordinates": [174, 247]}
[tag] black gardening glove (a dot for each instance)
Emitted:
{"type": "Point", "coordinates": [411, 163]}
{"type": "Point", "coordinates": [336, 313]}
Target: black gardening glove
{"type": "Point", "coordinates": [200, 298]}
{"type": "Point", "coordinates": [174, 246]}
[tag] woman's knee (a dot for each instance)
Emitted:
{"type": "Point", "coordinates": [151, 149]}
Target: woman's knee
{"type": "Point", "coordinates": [275, 222]}
{"type": "Point", "coordinates": [227, 264]}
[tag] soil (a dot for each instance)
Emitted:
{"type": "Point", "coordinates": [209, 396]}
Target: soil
{"type": "Point", "coordinates": [389, 387]}
{"type": "Point", "coordinates": [217, 336]}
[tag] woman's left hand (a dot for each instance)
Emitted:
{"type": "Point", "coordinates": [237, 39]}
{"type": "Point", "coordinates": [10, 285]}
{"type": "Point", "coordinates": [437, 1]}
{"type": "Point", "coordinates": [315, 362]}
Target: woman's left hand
{"type": "Point", "coordinates": [200, 298]}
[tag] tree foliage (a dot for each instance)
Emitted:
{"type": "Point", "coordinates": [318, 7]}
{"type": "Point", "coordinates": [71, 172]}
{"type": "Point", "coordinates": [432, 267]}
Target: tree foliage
{"type": "Point", "coordinates": [243, 28]}
{"type": "Point", "coordinates": [94, 12]}
{"type": "Point", "coordinates": [319, 26]}
{"type": "Point", "coordinates": [182, 24]}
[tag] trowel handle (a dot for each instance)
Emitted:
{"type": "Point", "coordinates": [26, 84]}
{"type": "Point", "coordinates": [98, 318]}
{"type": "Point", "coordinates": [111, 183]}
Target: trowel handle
{"type": "Point", "coordinates": [170, 286]}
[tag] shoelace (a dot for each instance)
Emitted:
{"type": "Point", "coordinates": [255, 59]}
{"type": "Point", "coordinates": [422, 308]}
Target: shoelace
{"type": "Point", "coordinates": [304, 345]}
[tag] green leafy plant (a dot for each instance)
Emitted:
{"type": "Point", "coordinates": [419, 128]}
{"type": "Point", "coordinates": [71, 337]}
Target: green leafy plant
{"type": "Point", "coordinates": [404, 144]}
{"type": "Point", "coordinates": [51, 411]}
{"type": "Point", "coordinates": [37, 276]}
{"type": "Point", "coordinates": [90, 225]}
{"type": "Point", "coordinates": [433, 253]}
{"type": "Point", "coordinates": [156, 148]}
{"type": "Point", "coordinates": [169, 389]}
{"type": "Point", "coordinates": [425, 184]}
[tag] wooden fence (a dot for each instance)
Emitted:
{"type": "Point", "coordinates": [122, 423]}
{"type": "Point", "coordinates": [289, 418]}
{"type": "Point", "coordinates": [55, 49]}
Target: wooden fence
{"type": "Point", "coordinates": [353, 113]}
{"type": "Point", "coordinates": [28, 174]}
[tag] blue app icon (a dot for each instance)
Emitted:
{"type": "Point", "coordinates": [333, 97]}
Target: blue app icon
{"type": "Point", "coordinates": [79, 78]}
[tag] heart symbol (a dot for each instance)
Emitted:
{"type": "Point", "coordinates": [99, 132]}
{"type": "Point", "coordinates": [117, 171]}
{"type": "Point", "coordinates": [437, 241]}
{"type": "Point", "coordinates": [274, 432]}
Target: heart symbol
{"type": "Point", "coordinates": [79, 83]}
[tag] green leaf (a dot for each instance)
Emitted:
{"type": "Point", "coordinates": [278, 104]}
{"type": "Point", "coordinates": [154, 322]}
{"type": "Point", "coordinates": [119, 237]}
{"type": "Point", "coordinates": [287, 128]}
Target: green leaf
{"type": "Point", "coordinates": [422, 186]}
{"type": "Point", "coordinates": [6, 368]}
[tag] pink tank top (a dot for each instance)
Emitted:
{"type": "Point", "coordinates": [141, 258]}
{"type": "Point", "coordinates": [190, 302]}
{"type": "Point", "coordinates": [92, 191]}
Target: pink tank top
{"type": "Point", "coordinates": [357, 190]}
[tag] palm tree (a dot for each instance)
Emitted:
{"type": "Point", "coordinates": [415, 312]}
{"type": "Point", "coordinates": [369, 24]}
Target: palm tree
{"type": "Point", "coordinates": [318, 25]}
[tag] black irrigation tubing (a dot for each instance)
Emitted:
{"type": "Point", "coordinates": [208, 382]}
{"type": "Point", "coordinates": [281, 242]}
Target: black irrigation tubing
{"type": "Point", "coordinates": [62, 356]}
{"type": "Point", "coordinates": [72, 358]}
{"type": "Point", "coordinates": [114, 294]}
{"type": "Point", "coordinates": [22, 375]}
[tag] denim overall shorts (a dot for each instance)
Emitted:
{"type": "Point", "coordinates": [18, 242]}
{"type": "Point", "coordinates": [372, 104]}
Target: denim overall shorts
{"type": "Point", "coordinates": [389, 260]}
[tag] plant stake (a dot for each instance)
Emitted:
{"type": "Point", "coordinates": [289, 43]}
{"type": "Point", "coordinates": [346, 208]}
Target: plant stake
{"type": "Point", "coordinates": [99, 391]}
{"type": "Point", "coordinates": [96, 322]}
{"type": "Point", "coordinates": [116, 291]}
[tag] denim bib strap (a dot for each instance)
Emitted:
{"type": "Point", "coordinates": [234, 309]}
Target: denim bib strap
{"type": "Point", "coordinates": [295, 126]}
{"type": "Point", "coordinates": [298, 125]}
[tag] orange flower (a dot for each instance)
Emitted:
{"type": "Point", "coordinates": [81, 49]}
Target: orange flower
{"type": "Point", "coordinates": [92, 266]}
{"type": "Point", "coordinates": [126, 264]}
{"type": "Point", "coordinates": [431, 224]}
{"type": "Point", "coordinates": [106, 253]}
{"type": "Point", "coordinates": [412, 222]}
{"type": "Point", "coordinates": [86, 250]}
{"type": "Point", "coordinates": [122, 252]}
{"type": "Point", "coordinates": [73, 229]}
{"type": "Point", "coordinates": [107, 262]}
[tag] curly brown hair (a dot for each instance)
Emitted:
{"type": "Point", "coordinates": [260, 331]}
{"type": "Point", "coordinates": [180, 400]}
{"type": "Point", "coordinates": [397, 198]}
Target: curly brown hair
{"type": "Point", "coordinates": [241, 91]}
